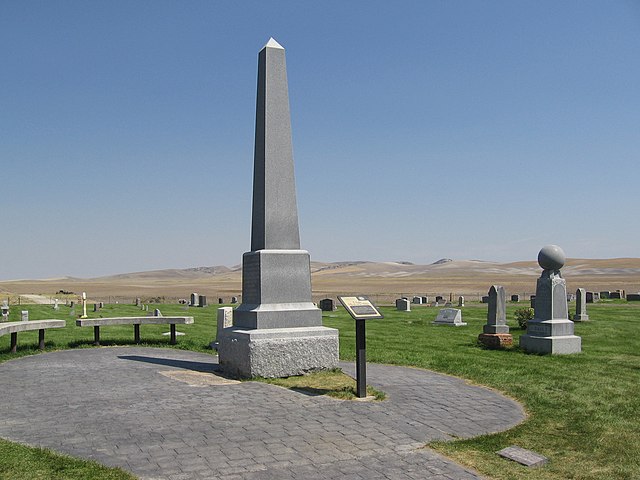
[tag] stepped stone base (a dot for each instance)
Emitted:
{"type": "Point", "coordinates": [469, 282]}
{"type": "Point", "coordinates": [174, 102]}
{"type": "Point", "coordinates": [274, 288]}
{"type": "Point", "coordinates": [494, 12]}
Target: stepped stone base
{"type": "Point", "coordinates": [277, 352]}
{"type": "Point", "coordinates": [551, 336]}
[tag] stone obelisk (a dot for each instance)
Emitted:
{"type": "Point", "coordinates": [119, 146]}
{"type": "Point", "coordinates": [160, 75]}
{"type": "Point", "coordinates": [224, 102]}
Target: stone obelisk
{"type": "Point", "coordinates": [277, 330]}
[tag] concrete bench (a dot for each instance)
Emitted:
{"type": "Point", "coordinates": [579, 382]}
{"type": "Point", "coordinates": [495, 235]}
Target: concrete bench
{"type": "Point", "coordinates": [96, 323]}
{"type": "Point", "coordinates": [41, 325]}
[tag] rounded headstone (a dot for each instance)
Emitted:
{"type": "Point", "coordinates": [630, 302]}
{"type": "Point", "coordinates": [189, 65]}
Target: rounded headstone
{"type": "Point", "coordinates": [551, 257]}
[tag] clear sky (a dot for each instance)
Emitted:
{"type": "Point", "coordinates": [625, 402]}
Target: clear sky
{"type": "Point", "coordinates": [421, 130]}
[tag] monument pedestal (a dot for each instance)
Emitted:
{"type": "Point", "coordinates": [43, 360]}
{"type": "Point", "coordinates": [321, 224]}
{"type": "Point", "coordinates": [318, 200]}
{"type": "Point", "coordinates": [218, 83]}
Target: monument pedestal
{"type": "Point", "coordinates": [276, 291]}
{"type": "Point", "coordinates": [277, 352]}
{"type": "Point", "coordinates": [551, 336]}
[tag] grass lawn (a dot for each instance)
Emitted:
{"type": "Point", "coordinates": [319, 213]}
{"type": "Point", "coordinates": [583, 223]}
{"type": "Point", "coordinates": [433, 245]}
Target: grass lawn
{"type": "Point", "coordinates": [584, 410]}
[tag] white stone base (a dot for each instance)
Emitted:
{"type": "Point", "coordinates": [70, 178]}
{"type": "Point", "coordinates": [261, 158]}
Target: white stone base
{"type": "Point", "coordinates": [277, 352]}
{"type": "Point", "coordinates": [559, 345]}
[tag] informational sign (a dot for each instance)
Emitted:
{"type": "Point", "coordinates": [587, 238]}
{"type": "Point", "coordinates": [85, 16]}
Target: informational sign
{"type": "Point", "coordinates": [360, 308]}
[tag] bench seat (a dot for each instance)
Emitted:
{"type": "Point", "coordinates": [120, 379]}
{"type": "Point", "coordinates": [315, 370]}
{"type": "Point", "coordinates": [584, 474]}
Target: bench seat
{"type": "Point", "coordinates": [41, 325]}
{"type": "Point", "coordinates": [96, 323]}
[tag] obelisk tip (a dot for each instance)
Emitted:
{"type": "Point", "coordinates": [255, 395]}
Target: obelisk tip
{"type": "Point", "coordinates": [273, 44]}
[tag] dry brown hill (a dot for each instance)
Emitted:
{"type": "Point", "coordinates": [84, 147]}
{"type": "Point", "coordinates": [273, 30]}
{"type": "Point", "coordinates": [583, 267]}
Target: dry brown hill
{"type": "Point", "coordinates": [384, 280]}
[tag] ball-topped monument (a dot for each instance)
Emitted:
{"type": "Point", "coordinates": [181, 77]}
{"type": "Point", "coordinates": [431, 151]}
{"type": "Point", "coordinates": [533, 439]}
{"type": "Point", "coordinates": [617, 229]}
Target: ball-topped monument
{"type": "Point", "coordinates": [551, 257]}
{"type": "Point", "coordinates": [551, 331]}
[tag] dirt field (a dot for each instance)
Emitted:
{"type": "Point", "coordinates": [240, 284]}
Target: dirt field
{"type": "Point", "coordinates": [383, 281]}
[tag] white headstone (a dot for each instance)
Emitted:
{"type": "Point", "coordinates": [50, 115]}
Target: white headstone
{"type": "Point", "coordinates": [450, 316]}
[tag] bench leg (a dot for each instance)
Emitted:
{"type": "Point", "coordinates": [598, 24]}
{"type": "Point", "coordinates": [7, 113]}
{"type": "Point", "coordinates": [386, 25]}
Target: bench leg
{"type": "Point", "coordinates": [41, 339]}
{"type": "Point", "coordinates": [14, 342]}
{"type": "Point", "coordinates": [173, 334]}
{"type": "Point", "coordinates": [136, 333]}
{"type": "Point", "coordinates": [96, 336]}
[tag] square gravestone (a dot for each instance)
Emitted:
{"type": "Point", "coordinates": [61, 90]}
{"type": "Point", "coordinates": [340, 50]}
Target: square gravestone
{"type": "Point", "coordinates": [417, 300]}
{"type": "Point", "coordinates": [403, 305]}
{"type": "Point", "coordinates": [523, 456]}
{"type": "Point", "coordinates": [449, 316]}
{"type": "Point", "coordinates": [327, 305]}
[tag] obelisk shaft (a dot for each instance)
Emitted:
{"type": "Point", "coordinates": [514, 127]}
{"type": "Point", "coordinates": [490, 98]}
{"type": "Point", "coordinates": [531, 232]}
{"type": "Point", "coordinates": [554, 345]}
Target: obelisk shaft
{"type": "Point", "coordinates": [274, 222]}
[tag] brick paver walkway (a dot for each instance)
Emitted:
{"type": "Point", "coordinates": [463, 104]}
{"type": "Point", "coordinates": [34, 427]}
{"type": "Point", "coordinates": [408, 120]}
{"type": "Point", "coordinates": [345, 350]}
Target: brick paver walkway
{"type": "Point", "coordinates": [164, 414]}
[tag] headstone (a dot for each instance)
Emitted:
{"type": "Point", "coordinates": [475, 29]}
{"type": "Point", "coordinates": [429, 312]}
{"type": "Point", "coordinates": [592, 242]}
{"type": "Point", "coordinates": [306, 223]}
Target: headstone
{"type": "Point", "coordinates": [591, 297]}
{"type": "Point", "coordinates": [5, 311]}
{"type": "Point", "coordinates": [605, 294]}
{"type": "Point", "coordinates": [84, 305]}
{"type": "Point", "coordinates": [425, 300]}
{"type": "Point", "coordinates": [95, 307]}
{"type": "Point", "coordinates": [327, 305]}
{"type": "Point", "coordinates": [515, 298]}
{"type": "Point", "coordinates": [571, 297]}
{"type": "Point", "coordinates": [220, 301]}
{"type": "Point", "coordinates": [485, 299]}
{"type": "Point", "coordinates": [101, 304]}
{"type": "Point", "coordinates": [495, 333]}
{"type": "Point", "coordinates": [449, 316]}
{"type": "Point", "coordinates": [71, 304]}
{"type": "Point", "coordinates": [551, 331]}
{"type": "Point", "coordinates": [439, 298]}
{"type": "Point", "coordinates": [225, 318]}
{"type": "Point", "coordinates": [417, 300]}
{"type": "Point", "coordinates": [277, 330]}
{"type": "Point", "coordinates": [137, 302]}
{"type": "Point", "coordinates": [622, 293]}
{"type": "Point", "coordinates": [613, 295]}
{"type": "Point", "coordinates": [234, 299]}
{"type": "Point", "coordinates": [202, 301]}
{"type": "Point", "coordinates": [24, 315]}
{"type": "Point", "coordinates": [633, 297]}
{"type": "Point", "coordinates": [448, 305]}
{"type": "Point", "coordinates": [497, 311]}
{"type": "Point", "coordinates": [55, 304]}
{"type": "Point", "coordinates": [403, 305]}
{"type": "Point", "coordinates": [460, 301]}
{"type": "Point", "coordinates": [157, 313]}
{"type": "Point", "coordinates": [532, 300]}
{"type": "Point", "coordinates": [195, 300]}
{"type": "Point", "coordinates": [581, 306]}
{"type": "Point", "coordinates": [525, 457]}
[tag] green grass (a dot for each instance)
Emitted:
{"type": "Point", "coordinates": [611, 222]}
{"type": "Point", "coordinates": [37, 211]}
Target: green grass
{"type": "Point", "coordinates": [18, 462]}
{"type": "Point", "coordinates": [584, 409]}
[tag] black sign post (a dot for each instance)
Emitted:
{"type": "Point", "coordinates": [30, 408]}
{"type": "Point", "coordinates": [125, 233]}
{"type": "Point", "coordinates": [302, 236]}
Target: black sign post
{"type": "Point", "coordinates": [361, 309]}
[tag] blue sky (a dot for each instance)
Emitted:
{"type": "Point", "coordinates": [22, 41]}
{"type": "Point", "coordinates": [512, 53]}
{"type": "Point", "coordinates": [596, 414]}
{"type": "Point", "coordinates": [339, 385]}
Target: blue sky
{"type": "Point", "coordinates": [421, 130]}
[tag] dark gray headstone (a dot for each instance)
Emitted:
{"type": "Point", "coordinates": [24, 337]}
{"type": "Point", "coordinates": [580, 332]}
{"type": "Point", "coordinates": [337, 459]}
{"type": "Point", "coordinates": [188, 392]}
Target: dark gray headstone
{"type": "Point", "coordinates": [484, 299]}
{"type": "Point", "coordinates": [425, 300]}
{"type": "Point", "coordinates": [605, 294]}
{"type": "Point", "coordinates": [220, 300]}
{"type": "Point", "coordinates": [202, 301]}
{"type": "Point", "coordinates": [613, 295]}
{"type": "Point", "coordinates": [417, 300]}
{"type": "Point", "coordinates": [633, 297]}
{"type": "Point", "coordinates": [234, 299]}
{"type": "Point", "coordinates": [403, 305]}
{"type": "Point", "coordinates": [95, 307]}
{"type": "Point", "coordinates": [515, 298]}
{"type": "Point", "coordinates": [327, 305]}
{"type": "Point", "coordinates": [439, 298]}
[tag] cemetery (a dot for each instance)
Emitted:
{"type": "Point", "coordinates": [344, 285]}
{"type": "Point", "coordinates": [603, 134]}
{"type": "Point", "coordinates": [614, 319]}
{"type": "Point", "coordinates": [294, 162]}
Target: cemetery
{"type": "Point", "coordinates": [562, 394]}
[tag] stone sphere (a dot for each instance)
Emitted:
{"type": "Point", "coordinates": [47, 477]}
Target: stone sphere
{"type": "Point", "coordinates": [551, 257]}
